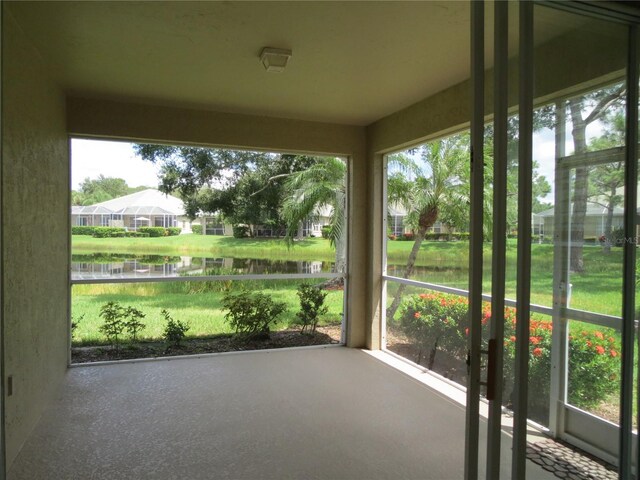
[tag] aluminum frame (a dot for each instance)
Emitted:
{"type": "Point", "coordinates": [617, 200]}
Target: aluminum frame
{"type": "Point", "coordinates": [629, 266]}
{"type": "Point", "coordinates": [523, 289]}
{"type": "Point", "coordinates": [495, 362]}
{"type": "Point", "coordinates": [472, 418]}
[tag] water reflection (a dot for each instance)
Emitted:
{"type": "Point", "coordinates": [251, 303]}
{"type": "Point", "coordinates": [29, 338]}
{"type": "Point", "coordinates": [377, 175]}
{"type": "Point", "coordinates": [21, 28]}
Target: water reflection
{"type": "Point", "coordinates": [114, 265]}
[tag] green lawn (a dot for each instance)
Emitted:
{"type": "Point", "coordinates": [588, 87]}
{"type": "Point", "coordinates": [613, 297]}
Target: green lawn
{"type": "Point", "coordinates": [211, 245]}
{"type": "Point", "coordinates": [197, 303]}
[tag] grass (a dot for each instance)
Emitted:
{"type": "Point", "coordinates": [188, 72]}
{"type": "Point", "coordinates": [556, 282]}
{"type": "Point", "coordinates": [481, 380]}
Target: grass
{"type": "Point", "coordinates": [212, 245]}
{"type": "Point", "coordinates": [197, 303]}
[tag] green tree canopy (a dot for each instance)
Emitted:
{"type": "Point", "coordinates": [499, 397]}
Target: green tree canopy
{"type": "Point", "coordinates": [101, 189]}
{"type": "Point", "coordinates": [244, 187]}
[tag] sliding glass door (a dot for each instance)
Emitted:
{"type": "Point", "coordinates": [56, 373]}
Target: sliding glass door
{"type": "Point", "coordinates": [554, 203]}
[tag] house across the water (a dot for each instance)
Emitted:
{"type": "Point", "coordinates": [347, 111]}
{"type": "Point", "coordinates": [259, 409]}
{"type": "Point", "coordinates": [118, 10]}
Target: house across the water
{"type": "Point", "coordinates": [147, 208]}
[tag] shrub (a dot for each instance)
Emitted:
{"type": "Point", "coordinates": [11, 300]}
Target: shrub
{"type": "Point", "coordinates": [153, 231]}
{"type": "Point", "coordinates": [438, 323]}
{"type": "Point", "coordinates": [75, 321]}
{"type": "Point", "coordinates": [108, 232]}
{"type": "Point", "coordinates": [82, 230]}
{"type": "Point", "coordinates": [136, 234]}
{"type": "Point", "coordinates": [447, 237]}
{"type": "Point", "coordinates": [617, 237]}
{"type": "Point", "coordinates": [196, 229]}
{"type": "Point", "coordinates": [326, 231]}
{"type": "Point", "coordinates": [174, 330]}
{"type": "Point", "coordinates": [311, 306]}
{"type": "Point", "coordinates": [251, 314]}
{"type": "Point", "coordinates": [173, 231]}
{"type": "Point", "coordinates": [240, 231]}
{"type": "Point", "coordinates": [113, 325]}
{"type": "Point", "coordinates": [594, 364]}
{"type": "Point", "coordinates": [435, 322]}
{"type": "Point", "coordinates": [408, 237]}
{"type": "Point", "coordinates": [132, 322]}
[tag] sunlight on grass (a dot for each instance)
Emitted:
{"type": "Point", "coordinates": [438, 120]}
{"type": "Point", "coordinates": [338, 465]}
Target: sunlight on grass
{"type": "Point", "coordinates": [203, 310]}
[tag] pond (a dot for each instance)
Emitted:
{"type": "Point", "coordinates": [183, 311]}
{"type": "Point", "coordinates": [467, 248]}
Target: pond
{"type": "Point", "coordinates": [123, 265]}
{"type": "Point", "coordinates": [100, 266]}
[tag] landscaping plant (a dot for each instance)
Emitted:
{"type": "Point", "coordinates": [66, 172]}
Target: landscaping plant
{"type": "Point", "coordinates": [438, 323]}
{"type": "Point", "coordinates": [251, 314]}
{"type": "Point", "coordinates": [75, 321]}
{"type": "Point", "coordinates": [311, 306]}
{"type": "Point", "coordinates": [174, 330]}
{"type": "Point", "coordinates": [132, 322]}
{"type": "Point", "coordinates": [113, 326]}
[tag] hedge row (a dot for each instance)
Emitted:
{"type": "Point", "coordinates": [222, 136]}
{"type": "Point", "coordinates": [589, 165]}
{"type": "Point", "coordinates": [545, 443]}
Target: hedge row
{"type": "Point", "coordinates": [160, 231]}
{"type": "Point", "coordinates": [119, 232]}
{"type": "Point", "coordinates": [82, 230]}
{"type": "Point", "coordinates": [410, 237]}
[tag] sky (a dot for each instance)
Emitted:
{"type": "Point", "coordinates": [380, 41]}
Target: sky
{"type": "Point", "coordinates": [90, 158]}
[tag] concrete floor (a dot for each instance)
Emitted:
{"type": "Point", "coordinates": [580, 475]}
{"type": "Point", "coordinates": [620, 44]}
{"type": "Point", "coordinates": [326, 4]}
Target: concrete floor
{"type": "Point", "coordinates": [331, 413]}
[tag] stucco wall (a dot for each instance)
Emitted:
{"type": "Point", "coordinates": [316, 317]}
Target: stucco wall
{"type": "Point", "coordinates": [35, 190]}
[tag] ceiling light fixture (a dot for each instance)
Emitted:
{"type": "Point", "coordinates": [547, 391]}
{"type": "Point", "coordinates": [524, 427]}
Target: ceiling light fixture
{"type": "Point", "coordinates": [274, 59]}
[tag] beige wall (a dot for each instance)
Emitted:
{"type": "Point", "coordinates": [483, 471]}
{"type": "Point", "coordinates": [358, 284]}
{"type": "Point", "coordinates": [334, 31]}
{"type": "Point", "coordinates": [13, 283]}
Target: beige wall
{"type": "Point", "coordinates": [106, 119]}
{"type": "Point", "coordinates": [35, 216]}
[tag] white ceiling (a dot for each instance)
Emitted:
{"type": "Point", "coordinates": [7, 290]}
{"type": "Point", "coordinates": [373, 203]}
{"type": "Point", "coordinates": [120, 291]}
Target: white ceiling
{"type": "Point", "coordinates": [353, 62]}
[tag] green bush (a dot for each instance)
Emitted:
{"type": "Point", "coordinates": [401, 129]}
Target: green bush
{"type": "Point", "coordinates": [174, 330]}
{"type": "Point", "coordinates": [153, 231]}
{"type": "Point", "coordinates": [326, 231]}
{"type": "Point", "coordinates": [117, 319]}
{"type": "Point", "coordinates": [108, 232]}
{"type": "Point", "coordinates": [136, 234]}
{"type": "Point", "coordinates": [438, 323]}
{"type": "Point", "coordinates": [75, 321]}
{"type": "Point", "coordinates": [113, 325]}
{"type": "Point", "coordinates": [196, 229]}
{"type": "Point", "coordinates": [173, 231]}
{"type": "Point", "coordinates": [251, 314]}
{"type": "Point", "coordinates": [240, 231]}
{"type": "Point", "coordinates": [448, 237]}
{"type": "Point", "coordinates": [133, 321]}
{"type": "Point", "coordinates": [82, 230]}
{"type": "Point", "coordinates": [435, 323]}
{"type": "Point", "coordinates": [311, 306]}
{"type": "Point", "coordinates": [617, 237]}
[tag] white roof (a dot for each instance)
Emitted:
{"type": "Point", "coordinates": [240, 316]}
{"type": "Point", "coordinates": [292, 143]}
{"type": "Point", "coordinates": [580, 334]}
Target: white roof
{"type": "Point", "coordinates": [147, 202]}
{"type": "Point", "coordinates": [90, 210]}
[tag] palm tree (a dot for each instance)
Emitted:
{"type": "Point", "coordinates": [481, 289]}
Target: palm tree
{"type": "Point", "coordinates": [323, 184]}
{"type": "Point", "coordinates": [431, 188]}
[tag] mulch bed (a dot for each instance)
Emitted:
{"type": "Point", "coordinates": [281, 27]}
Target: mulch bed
{"type": "Point", "coordinates": [197, 346]}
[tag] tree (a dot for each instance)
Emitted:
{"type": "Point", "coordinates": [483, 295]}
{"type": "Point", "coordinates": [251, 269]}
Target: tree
{"type": "Point", "coordinates": [244, 187]}
{"type": "Point", "coordinates": [434, 187]}
{"type": "Point", "coordinates": [101, 189]}
{"type": "Point", "coordinates": [193, 171]}
{"type": "Point", "coordinates": [257, 196]}
{"type": "Point", "coordinates": [607, 179]}
{"type": "Point", "coordinates": [585, 110]}
{"type": "Point", "coordinates": [323, 184]}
